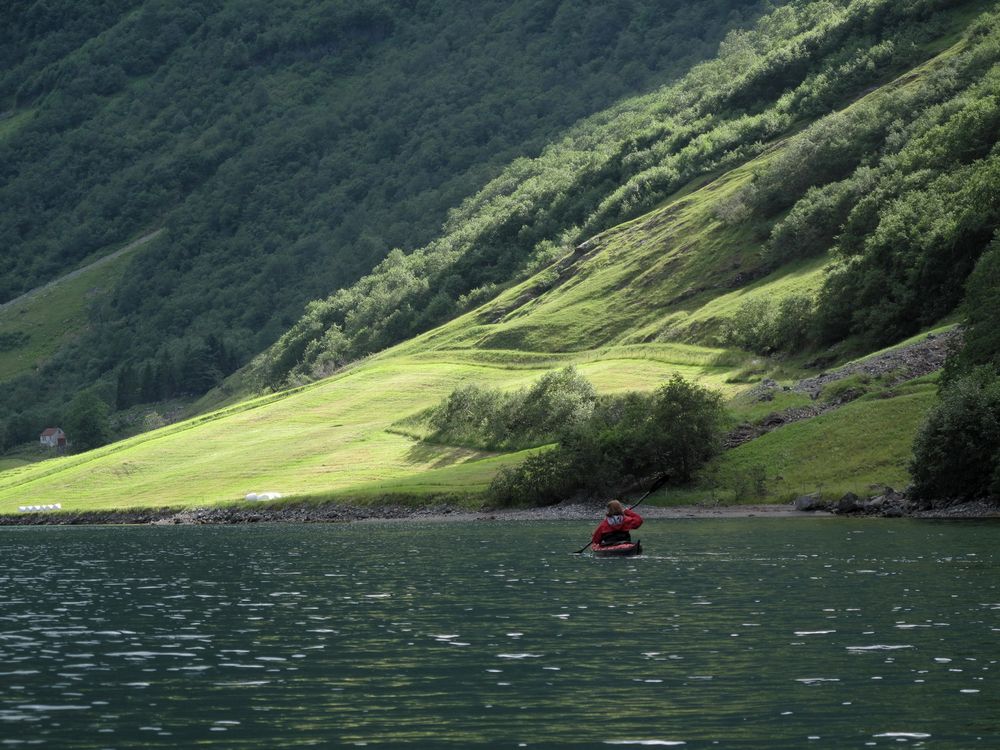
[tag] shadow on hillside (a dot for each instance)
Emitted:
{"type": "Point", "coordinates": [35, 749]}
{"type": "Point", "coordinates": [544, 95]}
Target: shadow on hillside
{"type": "Point", "coordinates": [438, 456]}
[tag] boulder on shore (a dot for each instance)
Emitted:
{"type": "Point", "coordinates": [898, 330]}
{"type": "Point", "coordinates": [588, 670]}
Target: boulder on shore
{"type": "Point", "coordinates": [812, 502]}
{"type": "Point", "coordinates": [849, 503]}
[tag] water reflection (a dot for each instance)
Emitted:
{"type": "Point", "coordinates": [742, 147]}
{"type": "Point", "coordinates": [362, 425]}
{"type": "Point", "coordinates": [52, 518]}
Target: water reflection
{"type": "Point", "coordinates": [739, 634]}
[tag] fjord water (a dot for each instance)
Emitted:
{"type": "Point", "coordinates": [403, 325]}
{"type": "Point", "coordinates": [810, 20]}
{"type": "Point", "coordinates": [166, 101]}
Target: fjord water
{"type": "Point", "coordinates": [741, 633]}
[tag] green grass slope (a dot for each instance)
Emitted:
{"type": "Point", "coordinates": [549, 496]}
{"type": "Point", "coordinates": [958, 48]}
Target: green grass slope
{"type": "Point", "coordinates": [285, 146]}
{"type": "Point", "coordinates": [39, 323]}
{"type": "Point", "coordinates": [333, 437]}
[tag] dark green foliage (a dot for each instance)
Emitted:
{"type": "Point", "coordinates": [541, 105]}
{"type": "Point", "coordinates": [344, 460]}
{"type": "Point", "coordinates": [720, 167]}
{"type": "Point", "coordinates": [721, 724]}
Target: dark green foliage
{"type": "Point", "coordinates": [915, 261]}
{"type": "Point", "coordinates": [86, 424]}
{"type": "Point", "coordinates": [956, 455]}
{"type": "Point", "coordinates": [11, 340]}
{"type": "Point", "coordinates": [752, 328]}
{"type": "Point", "coordinates": [287, 147]}
{"type": "Point", "coordinates": [901, 186]}
{"type": "Point", "coordinates": [187, 368]}
{"type": "Point", "coordinates": [673, 430]}
{"type": "Point", "coordinates": [764, 327]}
{"type": "Point", "coordinates": [981, 309]}
{"type": "Point", "coordinates": [542, 478]}
{"type": "Point", "coordinates": [798, 62]}
{"type": "Point", "coordinates": [815, 220]}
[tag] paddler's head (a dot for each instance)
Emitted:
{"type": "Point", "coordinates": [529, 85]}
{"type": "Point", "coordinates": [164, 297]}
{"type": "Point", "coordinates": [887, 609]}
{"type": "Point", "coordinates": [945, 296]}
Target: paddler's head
{"type": "Point", "coordinates": [615, 508]}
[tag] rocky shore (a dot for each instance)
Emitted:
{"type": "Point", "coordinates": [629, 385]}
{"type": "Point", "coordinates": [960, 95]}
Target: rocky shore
{"type": "Point", "coordinates": [886, 504]}
{"type": "Point", "coordinates": [339, 513]}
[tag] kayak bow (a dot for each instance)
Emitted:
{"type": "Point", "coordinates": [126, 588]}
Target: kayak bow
{"type": "Point", "coordinates": [622, 549]}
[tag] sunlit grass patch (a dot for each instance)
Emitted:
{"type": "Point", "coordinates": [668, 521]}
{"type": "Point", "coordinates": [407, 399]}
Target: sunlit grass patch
{"type": "Point", "coordinates": [45, 321]}
{"type": "Point", "coordinates": [340, 437]}
{"type": "Point", "coordinates": [864, 443]}
{"type": "Point", "coordinates": [12, 122]}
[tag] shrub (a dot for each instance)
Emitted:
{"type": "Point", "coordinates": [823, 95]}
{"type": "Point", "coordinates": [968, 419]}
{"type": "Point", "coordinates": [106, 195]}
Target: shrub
{"type": "Point", "coordinates": [812, 225]}
{"type": "Point", "coordinates": [957, 450]}
{"type": "Point", "coordinates": [760, 326]}
{"type": "Point", "coordinates": [538, 480]}
{"type": "Point", "coordinates": [627, 438]}
{"type": "Point", "coordinates": [751, 328]}
{"type": "Point", "coordinates": [525, 418]}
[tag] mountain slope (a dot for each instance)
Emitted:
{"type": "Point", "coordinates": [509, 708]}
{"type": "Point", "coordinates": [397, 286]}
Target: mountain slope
{"type": "Point", "coordinates": [285, 147]}
{"type": "Point", "coordinates": [798, 64]}
{"type": "Point", "coordinates": [680, 273]}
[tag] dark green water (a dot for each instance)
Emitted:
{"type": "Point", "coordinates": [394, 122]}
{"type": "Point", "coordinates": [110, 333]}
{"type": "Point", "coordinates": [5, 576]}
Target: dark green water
{"type": "Point", "coordinates": [749, 633]}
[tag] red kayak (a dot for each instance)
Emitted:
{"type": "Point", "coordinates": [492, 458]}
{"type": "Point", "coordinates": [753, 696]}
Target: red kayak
{"type": "Point", "coordinates": [622, 549]}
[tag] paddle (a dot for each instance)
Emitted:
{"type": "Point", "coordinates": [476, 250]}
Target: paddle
{"type": "Point", "coordinates": [660, 481]}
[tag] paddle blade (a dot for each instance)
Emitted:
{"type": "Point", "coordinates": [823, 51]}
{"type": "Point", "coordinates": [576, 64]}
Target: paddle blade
{"type": "Point", "coordinates": [660, 481]}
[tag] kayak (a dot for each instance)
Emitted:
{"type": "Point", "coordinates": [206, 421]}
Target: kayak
{"type": "Point", "coordinates": [622, 549]}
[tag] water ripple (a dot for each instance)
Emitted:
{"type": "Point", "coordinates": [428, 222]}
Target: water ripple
{"type": "Point", "coordinates": [271, 636]}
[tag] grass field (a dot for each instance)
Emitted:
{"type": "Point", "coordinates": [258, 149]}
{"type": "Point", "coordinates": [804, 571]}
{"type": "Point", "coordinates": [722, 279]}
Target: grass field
{"type": "Point", "coordinates": [50, 318]}
{"type": "Point", "coordinates": [852, 449]}
{"type": "Point", "coordinates": [333, 437]}
{"type": "Point", "coordinates": [12, 121]}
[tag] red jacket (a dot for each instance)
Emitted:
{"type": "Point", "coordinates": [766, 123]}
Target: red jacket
{"type": "Point", "coordinates": [631, 520]}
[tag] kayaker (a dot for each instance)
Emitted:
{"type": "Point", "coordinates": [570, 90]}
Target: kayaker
{"type": "Point", "coordinates": [616, 525]}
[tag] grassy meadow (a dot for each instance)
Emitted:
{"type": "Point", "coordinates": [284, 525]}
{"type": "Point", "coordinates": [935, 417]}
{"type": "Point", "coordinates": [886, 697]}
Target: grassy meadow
{"type": "Point", "coordinates": [333, 438]}
{"type": "Point", "coordinates": [47, 318]}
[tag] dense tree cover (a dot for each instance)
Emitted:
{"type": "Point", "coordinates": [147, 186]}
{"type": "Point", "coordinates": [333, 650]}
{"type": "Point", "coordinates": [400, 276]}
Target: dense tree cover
{"type": "Point", "coordinates": [956, 454]}
{"type": "Point", "coordinates": [797, 63]}
{"type": "Point", "coordinates": [286, 147]}
{"type": "Point", "coordinates": [622, 440]}
{"type": "Point", "coordinates": [902, 188]}
{"type": "Point", "coordinates": [981, 313]}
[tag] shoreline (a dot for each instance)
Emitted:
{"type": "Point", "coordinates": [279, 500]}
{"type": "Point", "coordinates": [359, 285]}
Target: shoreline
{"type": "Point", "coordinates": [340, 513]}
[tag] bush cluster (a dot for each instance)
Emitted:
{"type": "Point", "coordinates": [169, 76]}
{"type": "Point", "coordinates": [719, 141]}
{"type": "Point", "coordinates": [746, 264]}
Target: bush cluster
{"type": "Point", "coordinates": [765, 327]}
{"type": "Point", "coordinates": [956, 455]}
{"type": "Point", "coordinates": [625, 439]}
{"type": "Point", "coordinates": [493, 420]}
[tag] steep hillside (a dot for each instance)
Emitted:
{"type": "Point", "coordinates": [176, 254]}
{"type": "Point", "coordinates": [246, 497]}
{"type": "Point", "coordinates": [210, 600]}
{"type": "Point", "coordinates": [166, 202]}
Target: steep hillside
{"type": "Point", "coordinates": [285, 148]}
{"type": "Point", "coordinates": [674, 289]}
{"type": "Point", "coordinates": [795, 67]}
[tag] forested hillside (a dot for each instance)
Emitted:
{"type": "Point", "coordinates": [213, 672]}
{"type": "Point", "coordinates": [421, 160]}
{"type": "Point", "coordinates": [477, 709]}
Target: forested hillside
{"type": "Point", "coordinates": [285, 147]}
{"type": "Point", "coordinates": [899, 188]}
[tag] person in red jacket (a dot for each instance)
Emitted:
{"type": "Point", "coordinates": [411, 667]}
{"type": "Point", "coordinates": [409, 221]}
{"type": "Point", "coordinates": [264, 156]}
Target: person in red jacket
{"type": "Point", "coordinates": [616, 525]}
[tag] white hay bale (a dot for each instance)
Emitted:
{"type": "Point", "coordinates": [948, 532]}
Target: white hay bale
{"type": "Point", "coordinates": [263, 496]}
